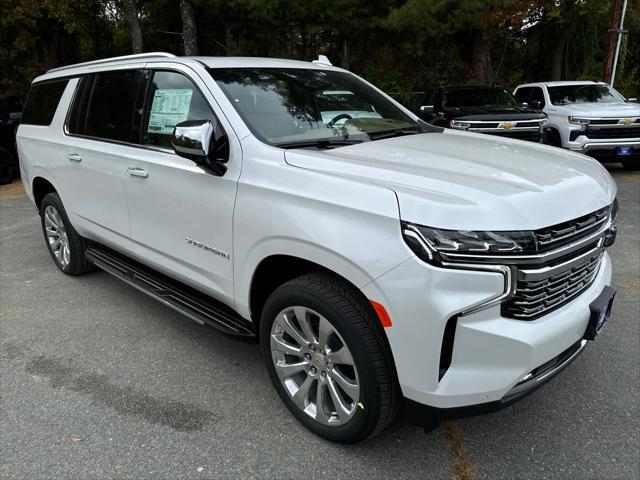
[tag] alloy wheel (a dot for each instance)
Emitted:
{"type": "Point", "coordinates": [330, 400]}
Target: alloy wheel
{"type": "Point", "coordinates": [57, 236]}
{"type": "Point", "coordinates": [315, 366]}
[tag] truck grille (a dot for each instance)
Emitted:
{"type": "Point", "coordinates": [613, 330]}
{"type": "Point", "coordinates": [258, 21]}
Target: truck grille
{"type": "Point", "coordinates": [597, 133]}
{"type": "Point", "coordinates": [530, 136]}
{"type": "Point", "coordinates": [568, 232]}
{"type": "Point", "coordinates": [534, 299]}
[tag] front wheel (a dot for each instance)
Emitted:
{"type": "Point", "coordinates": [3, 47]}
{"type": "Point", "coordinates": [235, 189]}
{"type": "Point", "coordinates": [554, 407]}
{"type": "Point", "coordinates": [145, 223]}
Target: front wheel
{"type": "Point", "coordinates": [327, 358]}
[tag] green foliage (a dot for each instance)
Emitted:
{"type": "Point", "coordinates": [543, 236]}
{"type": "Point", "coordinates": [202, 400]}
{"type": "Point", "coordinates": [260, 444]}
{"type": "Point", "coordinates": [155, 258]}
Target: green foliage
{"type": "Point", "coordinates": [399, 45]}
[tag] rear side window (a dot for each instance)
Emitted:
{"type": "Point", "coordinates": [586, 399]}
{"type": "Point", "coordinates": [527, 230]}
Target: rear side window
{"type": "Point", "coordinates": [42, 102]}
{"type": "Point", "coordinates": [111, 112]}
{"type": "Point", "coordinates": [77, 121]}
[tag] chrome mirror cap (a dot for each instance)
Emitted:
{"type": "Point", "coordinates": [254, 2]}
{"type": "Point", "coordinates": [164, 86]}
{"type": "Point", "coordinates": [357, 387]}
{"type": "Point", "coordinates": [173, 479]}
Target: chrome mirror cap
{"type": "Point", "coordinates": [192, 139]}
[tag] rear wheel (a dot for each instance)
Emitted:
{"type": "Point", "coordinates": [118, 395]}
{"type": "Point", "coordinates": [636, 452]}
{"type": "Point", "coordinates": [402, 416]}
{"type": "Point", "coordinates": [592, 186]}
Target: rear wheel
{"type": "Point", "coordinates": [66, 247]}
{"type": "Point", "coordinates": [327, 358]}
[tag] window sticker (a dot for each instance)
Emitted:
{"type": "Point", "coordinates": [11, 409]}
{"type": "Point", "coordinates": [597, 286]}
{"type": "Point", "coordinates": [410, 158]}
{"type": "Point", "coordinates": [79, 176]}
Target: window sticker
{"type": "Point", "coordinates": [170, 106]}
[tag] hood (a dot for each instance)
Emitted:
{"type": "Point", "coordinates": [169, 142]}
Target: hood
{"type": "Point", "coordinates": [617, 109]}
{"type": "Point", "coordinates": [461, 180]}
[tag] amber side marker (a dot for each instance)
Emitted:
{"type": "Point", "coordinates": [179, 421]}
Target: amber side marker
{"type": "Point", "coordinates": [385, 320]}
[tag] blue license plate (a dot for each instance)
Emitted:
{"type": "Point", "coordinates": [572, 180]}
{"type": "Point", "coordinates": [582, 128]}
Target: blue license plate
{"type": "Point", "coordinates": [624, 151]}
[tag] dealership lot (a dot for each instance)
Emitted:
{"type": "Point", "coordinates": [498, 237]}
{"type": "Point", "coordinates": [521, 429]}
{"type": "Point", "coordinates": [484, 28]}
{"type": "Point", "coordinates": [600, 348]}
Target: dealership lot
{"type": "Point", "coordinates": [98, 380]}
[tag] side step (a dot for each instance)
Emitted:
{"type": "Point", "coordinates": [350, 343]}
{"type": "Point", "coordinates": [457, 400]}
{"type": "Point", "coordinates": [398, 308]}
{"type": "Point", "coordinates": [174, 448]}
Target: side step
{"type": "Point", "coordinates": [186, 300]}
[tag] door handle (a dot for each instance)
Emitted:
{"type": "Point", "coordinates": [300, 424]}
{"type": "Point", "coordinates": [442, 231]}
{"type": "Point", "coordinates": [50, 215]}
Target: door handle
{"type": "Point", "coordinates": [137, 172]}
{"type": "Point", "coordinates": [74, 157]}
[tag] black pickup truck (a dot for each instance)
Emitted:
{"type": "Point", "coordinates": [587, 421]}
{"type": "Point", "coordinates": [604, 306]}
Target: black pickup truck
{"type": "Point", "coordinates": [482, 109]}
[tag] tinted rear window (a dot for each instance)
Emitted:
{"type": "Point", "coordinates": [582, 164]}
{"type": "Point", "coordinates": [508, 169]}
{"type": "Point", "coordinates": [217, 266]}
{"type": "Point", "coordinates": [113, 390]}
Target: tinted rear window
{"type": "Point", "coordinates": [112, 111]}
{"type": "Point", "coordinates": [42, 102]}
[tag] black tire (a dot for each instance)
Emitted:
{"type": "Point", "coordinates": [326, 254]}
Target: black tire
{"type": "Point", "coordinates": [356, 322]}
{"type": "Point", "coordinates": [554, 139]}
{"type": "Point", "coordinates": [7, 162]}
{"type": "Point", "coordinates": [631, 164]}
{"type": "Point", "coordinates": [77, 263]}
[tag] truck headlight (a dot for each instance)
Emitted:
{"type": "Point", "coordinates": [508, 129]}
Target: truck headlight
{"type": "Point", "coordinates": [459, 124]}
{"type": "Point", "coordinates": [578, 120]}
{"type": "Point", "coordinates": [430, 243]}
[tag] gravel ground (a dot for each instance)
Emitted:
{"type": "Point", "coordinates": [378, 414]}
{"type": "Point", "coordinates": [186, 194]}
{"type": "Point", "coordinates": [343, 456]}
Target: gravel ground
{"type": "Point", "coordinates": [99, 381]}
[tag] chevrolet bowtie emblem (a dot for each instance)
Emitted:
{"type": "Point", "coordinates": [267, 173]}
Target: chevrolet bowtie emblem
{"type": "Point", "coordinates": [506, 124]}
{"type": "Point", "coordinates": [627, 121]}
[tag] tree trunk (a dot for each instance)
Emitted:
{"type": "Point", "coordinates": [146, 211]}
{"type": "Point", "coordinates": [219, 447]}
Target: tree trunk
{"type": "Point", "coordinates": [189, 31]}
{"type": "Point", "coordinates": [481, 70]}
{"type": "Point", "coordinates": [346, 60]}
{"type": "Point", "coordinates": [557, 58]}
{"type": "Point", "coordinates": [131, 12]}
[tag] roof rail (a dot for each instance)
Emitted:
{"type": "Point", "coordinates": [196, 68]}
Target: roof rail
{"type": "Point", "coordinates": [137, 56]}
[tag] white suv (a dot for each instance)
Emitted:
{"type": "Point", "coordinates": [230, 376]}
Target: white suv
{"type": "Point", "coordinates": [382, 263]}
{"type": "Point", "coordinates": [588, 117]}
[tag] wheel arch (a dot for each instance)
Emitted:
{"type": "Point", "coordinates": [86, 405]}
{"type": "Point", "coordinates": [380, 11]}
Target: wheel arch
{"type": "Point", "coordinates": [40, 186]}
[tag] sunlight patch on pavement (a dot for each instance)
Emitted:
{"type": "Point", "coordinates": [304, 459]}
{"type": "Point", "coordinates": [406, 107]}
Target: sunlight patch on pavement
{"type": "Point", "coordinates": [12, 191]}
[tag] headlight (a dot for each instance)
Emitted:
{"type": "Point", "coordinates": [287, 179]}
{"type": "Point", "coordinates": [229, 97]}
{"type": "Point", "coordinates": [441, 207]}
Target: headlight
{"type": "Point", "coordinates": [544, 122]}
{"type": "Point", "coordinates": [430, 244]}
{"type": "Point", "coordinates": [614, 211]}
{"type": "Point", "coordinates": [459, 124]}
{"type": "Point", "coordinates": [578, 120]}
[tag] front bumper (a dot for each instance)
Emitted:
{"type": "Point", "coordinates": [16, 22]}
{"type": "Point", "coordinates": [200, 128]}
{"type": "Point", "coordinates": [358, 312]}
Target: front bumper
{"type": "Point", "coordinates": [491, 354]}
{"type": "Point", "coordinates": [580, 141]}
{"type": "Point", "coordinates": [426, 416]}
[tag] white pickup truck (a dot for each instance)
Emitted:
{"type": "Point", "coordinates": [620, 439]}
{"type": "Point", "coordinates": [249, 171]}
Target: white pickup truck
{"type": "Point", "coordinates": [588, 117]}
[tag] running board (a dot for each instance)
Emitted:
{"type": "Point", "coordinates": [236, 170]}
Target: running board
{"type": "Point", "coordinates": [182, 298]}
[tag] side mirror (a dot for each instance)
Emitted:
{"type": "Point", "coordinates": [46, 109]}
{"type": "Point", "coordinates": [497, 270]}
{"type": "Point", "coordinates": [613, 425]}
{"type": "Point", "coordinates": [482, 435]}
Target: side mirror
{"type": "Point", "coordinates": [525, 104]}
{"type": "Point", "coordinates": [536, 104]}
{"type": "Point", "coordinates": [193, 139]}
{"type": "Point", "coordinates": [426, 109]}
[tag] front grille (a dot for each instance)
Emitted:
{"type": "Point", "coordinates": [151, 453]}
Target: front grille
{"type": "Point", "coordinates": [530, 136]}
{"type": "Point", "coordinates": [597, 133]}
{"type": "Point", "coordinates": [568, 232]}
{"type": "Point", "coordinates": [534, 299]}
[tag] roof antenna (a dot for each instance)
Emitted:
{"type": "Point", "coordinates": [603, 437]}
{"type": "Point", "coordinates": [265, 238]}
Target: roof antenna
{"type": "Point", "coordinates": [323, 60]}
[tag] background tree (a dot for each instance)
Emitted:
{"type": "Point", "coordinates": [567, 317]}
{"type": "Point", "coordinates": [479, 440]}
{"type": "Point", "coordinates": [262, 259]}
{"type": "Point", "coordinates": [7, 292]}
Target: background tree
{"type": "Point", "coordinates": [131, 12]}
{"type": "Point", "coordinates": [400, 45]}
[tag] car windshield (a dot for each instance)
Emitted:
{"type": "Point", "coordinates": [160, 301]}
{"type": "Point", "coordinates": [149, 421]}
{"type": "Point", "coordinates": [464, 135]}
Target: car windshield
{"type": "Point", "coordinates": [589, 93]}
{"type": "Point", "coordinates": [292, 107]}
{"type": "Point", "coordinates": [478, 97]}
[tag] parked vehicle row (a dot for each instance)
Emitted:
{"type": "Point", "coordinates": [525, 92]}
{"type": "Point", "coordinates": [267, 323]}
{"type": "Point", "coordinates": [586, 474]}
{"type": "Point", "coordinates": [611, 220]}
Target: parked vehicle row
{"type": "Point", "coordinates": [588, 117]}
{"type": "Point", "coordinates": [383, 263]}
{"type": "Point", "coordinates": [583, 116]}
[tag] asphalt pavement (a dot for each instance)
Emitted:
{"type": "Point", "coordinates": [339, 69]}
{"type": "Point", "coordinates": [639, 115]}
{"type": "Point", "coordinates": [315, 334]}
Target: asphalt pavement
{"type": "Point", "coordinates": [98, 380]}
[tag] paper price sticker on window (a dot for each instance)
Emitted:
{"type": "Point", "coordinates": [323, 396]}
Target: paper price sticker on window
{"type": "Point", "coordinates": [169, 107]}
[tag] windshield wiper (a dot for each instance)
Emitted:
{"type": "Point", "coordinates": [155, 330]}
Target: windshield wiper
{"type": "Point", "coordinates": [395, 133]}
{"type": "Point", "coordinates": [320, 144]}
